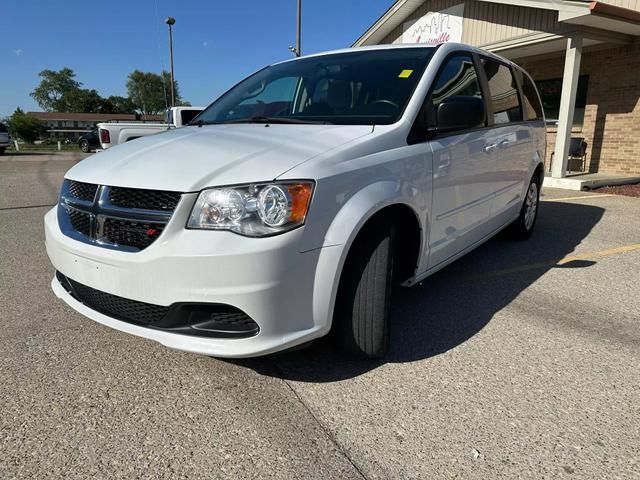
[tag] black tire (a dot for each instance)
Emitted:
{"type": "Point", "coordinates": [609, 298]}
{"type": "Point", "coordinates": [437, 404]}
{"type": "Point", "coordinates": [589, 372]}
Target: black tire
{"type": "Point", "coordinates": [364, 294]}
{"type": "Point", "coordinates": [2, 151]}
{"type": "Point", "coordinates": [523, 227]}
{"type": "Point", "coordinates": [84, 146]}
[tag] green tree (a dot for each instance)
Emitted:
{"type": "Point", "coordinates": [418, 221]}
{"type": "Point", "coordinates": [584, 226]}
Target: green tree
{"type": "Point", "coordinates": [54, 86]}
{"type": "Point", "coordinates": [119, 104]}
{"type": "Point", "coordinates": [25, 127]}
{"type": "Point", "coordinates": [85, 101]}
{"type": "Point", "coordinates": [166, 79]}
{"type": "Point", "coordinates": [151, 92]}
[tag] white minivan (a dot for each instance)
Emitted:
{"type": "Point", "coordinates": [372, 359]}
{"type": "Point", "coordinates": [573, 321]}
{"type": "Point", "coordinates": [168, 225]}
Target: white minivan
{"type": "Point", "coordinates": [293, 204]}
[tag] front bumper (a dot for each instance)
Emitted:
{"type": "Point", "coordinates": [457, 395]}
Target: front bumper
{"type": "Point", "coordinates": [266, 278]}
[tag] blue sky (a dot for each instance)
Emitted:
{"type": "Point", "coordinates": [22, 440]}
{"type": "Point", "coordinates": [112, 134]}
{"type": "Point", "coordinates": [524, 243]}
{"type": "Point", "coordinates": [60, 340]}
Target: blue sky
{"type": "Point", "coordinates": [216, 43]}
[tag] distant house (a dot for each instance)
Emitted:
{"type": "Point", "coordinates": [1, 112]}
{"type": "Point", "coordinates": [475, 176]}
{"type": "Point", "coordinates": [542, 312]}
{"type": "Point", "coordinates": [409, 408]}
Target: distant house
{"type": "Point", "coordinates": [71, 124]}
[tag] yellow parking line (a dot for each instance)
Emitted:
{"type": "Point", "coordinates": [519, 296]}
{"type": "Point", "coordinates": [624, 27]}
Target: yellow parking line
{"type": "Point", "coordinates": [569, 258]}
{"type": "Point", "coordinates": [578, 197]}
{"type": "Point", "coordinates": [602, 253]}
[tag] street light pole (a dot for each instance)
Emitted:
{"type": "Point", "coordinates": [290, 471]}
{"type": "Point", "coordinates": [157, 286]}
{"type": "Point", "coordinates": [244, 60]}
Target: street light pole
{"type": "Point", "coordinates": [298, 29]}
{"type": "Point", "coordinates": [171, 21]}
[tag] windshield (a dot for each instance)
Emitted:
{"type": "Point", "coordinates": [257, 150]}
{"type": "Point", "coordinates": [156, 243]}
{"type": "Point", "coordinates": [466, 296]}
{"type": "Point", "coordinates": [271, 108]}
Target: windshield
{"type": "Point", "coordinates": [354, 88]}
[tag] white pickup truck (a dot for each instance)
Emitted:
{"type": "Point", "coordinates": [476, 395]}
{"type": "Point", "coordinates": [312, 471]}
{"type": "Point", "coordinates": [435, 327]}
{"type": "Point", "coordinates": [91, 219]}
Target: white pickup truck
{"type": "Point", "coordinates": [115, 133]}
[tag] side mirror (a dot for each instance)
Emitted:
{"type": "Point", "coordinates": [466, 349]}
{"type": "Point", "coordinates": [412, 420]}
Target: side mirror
{"type": "Point", "coordinates": [459, 113]}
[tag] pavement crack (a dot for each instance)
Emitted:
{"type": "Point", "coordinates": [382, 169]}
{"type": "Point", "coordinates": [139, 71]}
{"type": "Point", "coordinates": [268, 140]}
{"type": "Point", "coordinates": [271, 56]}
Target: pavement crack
{"type": "Point", "coordinates": [27, 206]}
{"type": "Point", "coordinates": [327, 432]}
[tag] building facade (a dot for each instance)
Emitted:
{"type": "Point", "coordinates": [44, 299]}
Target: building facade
{"type": "Point", "coordinates": [584, 57]}
{"type": "Point", "coordinates": [71, 125]}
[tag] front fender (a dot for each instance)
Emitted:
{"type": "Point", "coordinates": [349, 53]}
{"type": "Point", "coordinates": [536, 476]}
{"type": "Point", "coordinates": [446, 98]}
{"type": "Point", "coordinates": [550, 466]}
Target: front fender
{"type": "Point", "coordinates": [359, 208]}
{"type": "Point", "coordinates": [341, 234]}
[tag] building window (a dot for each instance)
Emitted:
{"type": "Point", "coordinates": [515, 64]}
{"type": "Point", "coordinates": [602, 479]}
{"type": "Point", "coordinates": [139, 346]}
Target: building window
{"type": "Point", "coordinates": [75, 124]}
{"type": "Point", "coordinates": [550, 91]}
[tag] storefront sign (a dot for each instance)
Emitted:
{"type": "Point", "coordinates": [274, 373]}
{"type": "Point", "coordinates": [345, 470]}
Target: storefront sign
{"type": "Point", "coordinates": [436, 27]}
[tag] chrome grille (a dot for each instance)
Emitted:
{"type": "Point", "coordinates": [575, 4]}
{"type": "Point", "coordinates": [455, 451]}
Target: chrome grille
{"type": "Point", "coordinates": [83, 191]}
{"type": "Point", "coordinates": [81, 221]}
{"type": "Point", "coordinates": [131, 233]}
{"type": "Point", "coordinates": [128, 219]}
{"type": "Point", "coordinates": [144, 199]}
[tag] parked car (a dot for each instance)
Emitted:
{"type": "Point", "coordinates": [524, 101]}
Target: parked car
{"type": "Point", "coordinates": [5, 140]}
{"type": "Point", "coordinates": [115, 133]}
{"type": "Point", "coordinates": [299, 198]}
{"type": "Point", "coordinates": [89, 141]}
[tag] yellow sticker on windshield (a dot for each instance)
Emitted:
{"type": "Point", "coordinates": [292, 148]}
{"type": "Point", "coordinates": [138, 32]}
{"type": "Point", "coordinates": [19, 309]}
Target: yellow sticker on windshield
{"type": "Point", "coordinates": [405, 73]}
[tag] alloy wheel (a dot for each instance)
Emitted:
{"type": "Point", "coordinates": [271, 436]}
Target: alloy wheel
{"type": "Point", "coordinates": [531, 206]}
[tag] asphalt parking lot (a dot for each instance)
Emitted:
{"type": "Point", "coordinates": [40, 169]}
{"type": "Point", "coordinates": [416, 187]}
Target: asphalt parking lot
{"type": "Point", "coordinates": [518, 361]}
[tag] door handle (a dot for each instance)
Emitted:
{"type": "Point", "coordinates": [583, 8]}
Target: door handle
{"type": "Point", "coordinates": [505, 143]}
{"type": "Point", "coordinates": [490, 147]}
{"type": "Point", "coordinates": [443, 164]}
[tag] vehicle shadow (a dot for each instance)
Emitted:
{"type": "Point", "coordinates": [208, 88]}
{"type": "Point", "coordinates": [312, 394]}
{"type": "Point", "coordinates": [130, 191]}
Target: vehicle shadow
{"type": "Point", "coordinates": [453, 305]}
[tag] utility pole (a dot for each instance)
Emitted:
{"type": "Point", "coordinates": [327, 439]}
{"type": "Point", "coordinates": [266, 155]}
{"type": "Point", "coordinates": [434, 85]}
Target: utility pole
{"type": "Point", "coordinates": [297, 50]}
{"type": "Point", "coordinates": [171, 21]}
{"type": "Point", "coordinates": [298, 29]}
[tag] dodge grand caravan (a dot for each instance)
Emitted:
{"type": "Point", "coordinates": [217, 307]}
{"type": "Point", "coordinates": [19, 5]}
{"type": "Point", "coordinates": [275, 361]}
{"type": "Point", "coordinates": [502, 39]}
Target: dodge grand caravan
{"type": "Point", "coordinates": [293, 204]}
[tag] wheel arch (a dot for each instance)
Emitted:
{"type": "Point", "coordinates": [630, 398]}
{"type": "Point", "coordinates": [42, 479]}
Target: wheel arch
{"type": "Point", "coordinates": [539, 171]}
{"type": "Point", "coordinates": [334, 254]}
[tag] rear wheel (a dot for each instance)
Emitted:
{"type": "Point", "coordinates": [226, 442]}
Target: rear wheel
{"type": "Point", "coordinates": [364, 294]}
{"type": "Point", "coordinates": [84, 146]}
{"type": "Point", "coordinates": [522, 228]}
{"type": "Point", "coordinates": [1, 150]}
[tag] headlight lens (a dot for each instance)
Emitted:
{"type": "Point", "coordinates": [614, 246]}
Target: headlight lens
{"type": "Point", "coordinates": [254, 210]}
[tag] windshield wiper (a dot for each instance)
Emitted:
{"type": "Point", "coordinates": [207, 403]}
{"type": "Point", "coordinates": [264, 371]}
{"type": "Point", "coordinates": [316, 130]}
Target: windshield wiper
{"type": "Point", "coordinates": [259, 119]}
{"type": "Point", "coordinates": [262, 119]}
{"type": "Point", "coordinates": [200, 123]}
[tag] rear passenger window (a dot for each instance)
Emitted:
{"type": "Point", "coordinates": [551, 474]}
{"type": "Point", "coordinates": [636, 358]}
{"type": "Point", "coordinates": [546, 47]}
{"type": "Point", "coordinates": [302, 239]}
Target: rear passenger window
{"type": "Point", "coordinates": [503, 91]}
{"type": "Point", "coordinates": [188, 115]}
{"type": "Point", "coordinates": [458, 77]}
{"type": "Point", "coordinates": [531, 103]}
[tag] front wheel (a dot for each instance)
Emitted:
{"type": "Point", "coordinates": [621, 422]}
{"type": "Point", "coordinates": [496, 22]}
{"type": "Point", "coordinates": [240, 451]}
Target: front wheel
{"type": "Point", "coordinates": [364, 294]}
{"type": "Point", "coordinates": [522, 228]}
{"type": "Point", "coordinates": [1, 150]}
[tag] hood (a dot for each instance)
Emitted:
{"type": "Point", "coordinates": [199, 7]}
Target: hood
{"type": "Point", "coordinates": [189, 159]}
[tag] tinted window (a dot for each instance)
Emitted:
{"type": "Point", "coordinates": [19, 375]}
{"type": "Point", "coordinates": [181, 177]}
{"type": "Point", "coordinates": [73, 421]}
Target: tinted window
{"type": "Point", "coordinates": [531, 104]}
{"type": "Point", "coordinates": [273, 99]}
{"type": "Point", "coordinates": [503, 91]}
{"type": "Point", "coordinates": [458, 77]}
{"type": "Point", "coordinates": [358, 88]}
{"type": "Point", "coordinates": [188, 115]}
{"type": "Point", "coordinates": [3, 129]}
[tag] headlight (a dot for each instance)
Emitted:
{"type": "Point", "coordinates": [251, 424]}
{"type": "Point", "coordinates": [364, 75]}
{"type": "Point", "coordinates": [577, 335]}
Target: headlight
{"type": "Point", "coordinates": [255, 210]}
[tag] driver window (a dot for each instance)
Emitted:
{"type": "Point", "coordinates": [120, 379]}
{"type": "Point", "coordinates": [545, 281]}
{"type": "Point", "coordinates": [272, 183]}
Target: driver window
{"type": "Point", "coordinates": [267, 100]}
{"type": "Point", "coordinates": [458, 77]}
